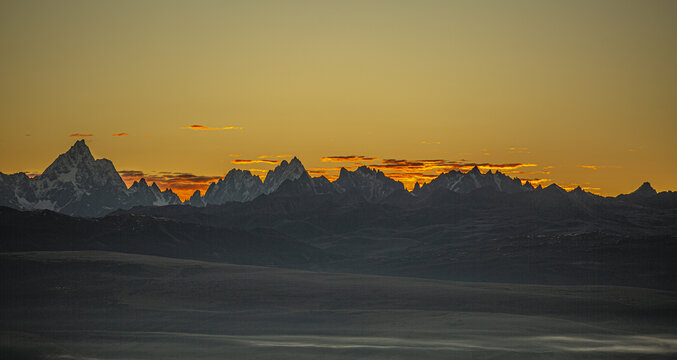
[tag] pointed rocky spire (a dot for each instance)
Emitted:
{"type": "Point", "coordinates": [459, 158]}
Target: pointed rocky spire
{"type": "Point", "coordinates": [197, 196]}
{"type": "Point", "coordinates": [343, 172]}
{"type": "Point", "coordinates": [80, 146]}
{"type": "Point", "coordinates": [475, 170]}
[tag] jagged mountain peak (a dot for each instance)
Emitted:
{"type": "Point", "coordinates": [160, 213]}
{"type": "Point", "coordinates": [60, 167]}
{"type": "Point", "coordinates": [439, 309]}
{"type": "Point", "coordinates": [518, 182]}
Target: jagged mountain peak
{"type": "Point", "coordinates": [645, 189]}
{"type": "Point", "coordinates": [284, 171]}
{"type": "Point", "coordinates": [79, 151]}
{"type": "Point", "coordinates": [77, 155]}
{"type": "Point", "coordinates": [475, 170]}
{"type": "Point", "coordinates": [195, 199]}
{"type": "Point", "coordinates": [364, 171]}
{"type": "Point", "coordinates": [80, 145]}
{"type": "Point", "coordinates": [76, 184]}
{"type": "Point", "coordinates": [371, 184]}
{"type": "Point", "coordinates": [554, 187]}
{"type": "Point", "coordinates": [295, 160]}
{"type": "Point", "coordinates": [238, 185]}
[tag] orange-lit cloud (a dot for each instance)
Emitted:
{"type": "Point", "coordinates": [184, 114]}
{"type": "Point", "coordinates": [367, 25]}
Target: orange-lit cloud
{"type": "Point", "coordinates": [347, 158]}
{"type": "Point", "coordinates": [409, 172]}
{"type": "Point", "coordinates": [80, 135]}
{"type": "Point", "coordinates": [183, 184]}
{"type": "Point", "coordinates": [202, 127]}
{"type": "Point", "coordinates": [258, 161]}
{"type": "Point", "coordinates": [234, 155]}
{"type": "Point", "coordinates": [444, 165]}
{"type": "Point", "coordinates": [596, 167]}
{"type": "Point", "coordinates": [519, 150]}
{"type": "Point", "coordinates": [283, 155]}
{"type": "Point", "coordinates": [121, 134]}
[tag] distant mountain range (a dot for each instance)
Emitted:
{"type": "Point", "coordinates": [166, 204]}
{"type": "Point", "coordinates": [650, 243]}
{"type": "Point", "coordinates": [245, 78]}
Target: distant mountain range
{"type": "Point", "coordinates": [460, 226]}
{"type": "Point", "coordinates": [76, 184]}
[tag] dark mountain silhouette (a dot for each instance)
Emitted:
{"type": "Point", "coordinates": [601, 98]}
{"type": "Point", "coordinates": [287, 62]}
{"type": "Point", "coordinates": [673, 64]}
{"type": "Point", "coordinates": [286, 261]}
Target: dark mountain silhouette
{"type": "Point", "coordinates": [461, 226]}
{"type": "Point", "coordinates": [77, 184]}
{"type": "Point", "coordinates": [45, 230]}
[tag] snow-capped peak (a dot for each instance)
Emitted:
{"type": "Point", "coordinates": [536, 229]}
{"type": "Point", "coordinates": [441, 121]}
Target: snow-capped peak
{"type": "Point", "coordinates": [285, 171]}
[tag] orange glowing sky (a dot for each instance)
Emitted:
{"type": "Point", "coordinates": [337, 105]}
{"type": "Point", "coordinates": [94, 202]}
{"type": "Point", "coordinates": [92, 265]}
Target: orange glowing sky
{"type": "Point", "coordinates": [575, 92]}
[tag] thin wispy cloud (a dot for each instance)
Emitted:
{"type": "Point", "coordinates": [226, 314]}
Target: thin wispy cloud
{"type": "Point", "coordinates": [445, 165]}
{"type": "Point", "coordinates": [425, 142]}
{"type": "Point", "coordinates": [202, 127]}
{"type": "Point", "coordinates": [80, 135]}
{"type": "Point", "coordinates": [519, 150]}
{"type": "Point", "coordinates": [255, 161]}
{"type": "Point", "coordinates": [234, 155]}
{"type": "Point", "coordinates": [347, 158]}
{"type": "Point", "coordinates": [120, 134]}
{"type": "Point", "coordinates": [597, 167]}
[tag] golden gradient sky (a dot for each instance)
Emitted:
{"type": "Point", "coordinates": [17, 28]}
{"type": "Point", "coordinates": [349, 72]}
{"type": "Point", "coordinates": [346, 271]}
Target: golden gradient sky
{"type": "Point", "coordinates": [586, 91]}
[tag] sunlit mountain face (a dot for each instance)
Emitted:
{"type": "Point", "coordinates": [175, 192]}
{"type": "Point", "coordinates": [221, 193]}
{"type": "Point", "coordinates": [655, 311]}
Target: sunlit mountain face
{"type": "Point", "coordinates": [338, 179]}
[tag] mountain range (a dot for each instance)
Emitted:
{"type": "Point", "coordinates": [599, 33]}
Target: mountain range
{"type": "Point", "coordinates": [468, 226]}
{"type": "Point", "coordinates": [79, 185]}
